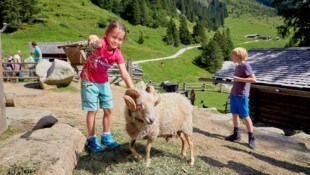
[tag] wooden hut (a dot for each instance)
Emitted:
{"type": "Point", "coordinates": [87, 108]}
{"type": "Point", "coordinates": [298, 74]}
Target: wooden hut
{"type": "Point", "coordinates": [281, 95]}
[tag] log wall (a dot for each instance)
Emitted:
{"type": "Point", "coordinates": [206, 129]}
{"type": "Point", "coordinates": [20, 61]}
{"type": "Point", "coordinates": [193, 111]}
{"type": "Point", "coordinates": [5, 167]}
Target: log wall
{"type": "Point", "coordinates": [290, 110]}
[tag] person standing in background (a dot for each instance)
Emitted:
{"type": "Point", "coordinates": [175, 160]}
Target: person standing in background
{"type": "Point", "coordinates": [37, 52]}
{"type": "Point", "coordinates": [192, 97]}
{"type": "Point", "coordinates": [17, 59]}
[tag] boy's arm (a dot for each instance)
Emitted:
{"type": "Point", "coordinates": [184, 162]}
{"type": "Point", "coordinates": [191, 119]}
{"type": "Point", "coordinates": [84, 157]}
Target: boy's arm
{"type": "Point", "coordinates": [125, 75]}
{"type": "Point", "coordinates": [250, 79]}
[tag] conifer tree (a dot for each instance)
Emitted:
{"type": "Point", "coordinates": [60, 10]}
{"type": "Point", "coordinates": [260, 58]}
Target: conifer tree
{"type": "Point", "coordinates": [185, 36]}
{"type": "Point", "coordinates": [199, 34]}
{"type": "Point", "coordinates": [229, 46]}
{"type": "Point", "coordinates": [296, 20]}
{"type": "Point", "coordinates": [213, 57]}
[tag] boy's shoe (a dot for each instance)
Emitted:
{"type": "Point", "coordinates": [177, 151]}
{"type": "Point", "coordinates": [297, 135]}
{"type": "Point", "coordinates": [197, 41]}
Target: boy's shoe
{"type": "Point", "coordinates": [252, 142]}
{"type": "Point", "coordinates": [108, 141]}
{"type": "Point", "coordinates": [93, 145]}
{"type": "Point", "coordinates": [234, 136]}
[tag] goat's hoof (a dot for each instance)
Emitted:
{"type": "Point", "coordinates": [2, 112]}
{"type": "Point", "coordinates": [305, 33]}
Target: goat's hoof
{"type": "Point", "coordinates": [148, 163]}
{"type": "Point", "coordinates": [137, 156]}
{"type": "Point", "coordinates": [191, 162]}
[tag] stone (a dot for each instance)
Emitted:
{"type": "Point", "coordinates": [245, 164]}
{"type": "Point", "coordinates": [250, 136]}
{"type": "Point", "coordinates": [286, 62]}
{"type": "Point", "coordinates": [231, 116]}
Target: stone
{"type": "Point", "coordinates": [45, 151]}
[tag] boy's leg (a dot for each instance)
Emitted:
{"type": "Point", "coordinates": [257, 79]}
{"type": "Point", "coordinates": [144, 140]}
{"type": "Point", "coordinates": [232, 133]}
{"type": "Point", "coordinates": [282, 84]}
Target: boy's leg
{"type": "Point", "coordinates": [249, 126]}
{"type": "Point", "coordinates": [235, 135]}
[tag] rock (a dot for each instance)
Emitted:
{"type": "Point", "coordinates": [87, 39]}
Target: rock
{"type": "Point", "coordinates": [59, 73]}
{"type": "Point", "coordinates": [271, 130]}
{"type": "Point", "coordinates": [44, 151]}
{"type": "Point", "coordinates": [29, 119]}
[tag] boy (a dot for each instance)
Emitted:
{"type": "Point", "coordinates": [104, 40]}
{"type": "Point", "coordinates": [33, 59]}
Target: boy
{"type": "Point", "coordinates": [239, 101]}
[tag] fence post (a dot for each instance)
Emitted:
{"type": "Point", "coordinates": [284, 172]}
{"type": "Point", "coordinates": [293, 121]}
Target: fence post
{"type": "Point", "coordinates": [3, 124]}
{"type": "Point", "coordinates": [129, 67]}
{"type": "Point", "coordinates": [184, 86]}
{"type": "Point", "coordinates": [204, 86]}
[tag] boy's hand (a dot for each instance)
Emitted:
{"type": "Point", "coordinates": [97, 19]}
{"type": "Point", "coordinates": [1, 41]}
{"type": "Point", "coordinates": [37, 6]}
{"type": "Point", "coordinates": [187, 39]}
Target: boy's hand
{"type": "Point", "coordinates": [236, 79]}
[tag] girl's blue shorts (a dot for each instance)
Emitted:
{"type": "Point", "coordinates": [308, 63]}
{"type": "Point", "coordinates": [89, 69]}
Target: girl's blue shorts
{"type": "Point", "coordinates": [239, 105]}
{"type": "Point", "coordinates": [94, 93]}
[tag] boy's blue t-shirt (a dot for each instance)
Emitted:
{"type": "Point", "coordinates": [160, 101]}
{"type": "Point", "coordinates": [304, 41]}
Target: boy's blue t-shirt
{"type": "Point", "coordinates": [36, 53]}
{"type": "Point", "coordinates": [241, 88]}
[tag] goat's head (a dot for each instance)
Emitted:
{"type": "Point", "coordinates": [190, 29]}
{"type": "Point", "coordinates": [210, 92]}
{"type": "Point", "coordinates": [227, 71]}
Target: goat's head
{"type": "Point", "coordinates": [142, 103]}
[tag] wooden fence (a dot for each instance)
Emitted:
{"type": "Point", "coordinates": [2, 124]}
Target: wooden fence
{"type": "Point", "coordinates": [28, 72]}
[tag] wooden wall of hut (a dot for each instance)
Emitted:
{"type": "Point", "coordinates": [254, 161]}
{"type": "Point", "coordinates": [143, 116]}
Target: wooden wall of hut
{"type": "Point", "coordinates": [286, 110]}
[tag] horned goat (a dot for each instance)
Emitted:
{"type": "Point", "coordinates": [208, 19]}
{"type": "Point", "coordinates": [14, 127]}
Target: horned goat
{"type": "Point", "coordinates": [150, 115]}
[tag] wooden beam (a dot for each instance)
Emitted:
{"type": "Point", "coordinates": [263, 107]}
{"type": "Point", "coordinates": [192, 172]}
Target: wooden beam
{"type": "Point", "coordinates": [215, 81]}
{"type": "Point", "coordinates": [3, 123]}
{"type": "Point", "coordinates": [282, 90]}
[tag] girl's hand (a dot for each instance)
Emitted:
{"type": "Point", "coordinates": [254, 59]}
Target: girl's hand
{"type": "Point", "coordinates": [94, 41]}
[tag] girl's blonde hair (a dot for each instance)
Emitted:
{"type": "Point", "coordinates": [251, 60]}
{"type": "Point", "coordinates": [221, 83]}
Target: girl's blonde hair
{"type": "Point", "coordinates": [240, 52]}
{"type": "Point", "coordinates": [115, 24]}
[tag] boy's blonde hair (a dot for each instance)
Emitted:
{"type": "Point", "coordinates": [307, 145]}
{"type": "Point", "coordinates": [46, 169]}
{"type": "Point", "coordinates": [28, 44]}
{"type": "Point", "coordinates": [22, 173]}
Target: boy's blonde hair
{"type": "Point", "coordinates": [240, 52]}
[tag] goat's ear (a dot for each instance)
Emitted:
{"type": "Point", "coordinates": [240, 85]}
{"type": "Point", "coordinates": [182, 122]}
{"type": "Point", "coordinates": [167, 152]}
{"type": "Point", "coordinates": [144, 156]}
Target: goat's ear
{"type": "Point", "coordinates": [157, 96]}
{"type": "Point", "coordinates": [150, 89]}
{"type": "Point", "coordinates": [130, 103]}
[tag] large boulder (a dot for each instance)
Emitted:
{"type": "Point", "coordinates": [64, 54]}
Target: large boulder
{"type": "Point", "coordinates": [45, 151]}
{"type": "Point", "coordinates": [59, 73]}
{"type": "Point", "coordinates": [29, 119]}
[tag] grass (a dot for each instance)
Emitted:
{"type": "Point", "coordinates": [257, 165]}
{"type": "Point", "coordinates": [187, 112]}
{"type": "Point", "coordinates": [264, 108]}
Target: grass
{"type": "Point", "coordinates": [164, 156]}
{"type": "Point", "coordinates": [8, 133]}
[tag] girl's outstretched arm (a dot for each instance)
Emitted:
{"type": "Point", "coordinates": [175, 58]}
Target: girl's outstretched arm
{"type": "Point", "coordinates": [125, 75]}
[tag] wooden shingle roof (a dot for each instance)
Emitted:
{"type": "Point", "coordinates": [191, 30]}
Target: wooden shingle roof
{"type": "Point", "coordinates": [288, 67]}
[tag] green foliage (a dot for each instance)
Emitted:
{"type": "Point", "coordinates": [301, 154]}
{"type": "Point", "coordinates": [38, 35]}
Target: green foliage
{"type": "Point", "coordinates": [211, 57]}
{"type": "Point", "coordinates": [296, 15]}
{"type": "Point", "coordinates": [15, 12]}
{"type": "Point", "coordinates": [185, 36]}
{"type": "Point", "coordinates": [141, 39]}
{"type": "Point", "coordinates": [199, 34]}
{"type": "Point", "coordinates": [172, 37]}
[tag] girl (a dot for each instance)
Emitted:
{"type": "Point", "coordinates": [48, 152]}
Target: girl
{"type": "Point", "coordinates": [95, 86]}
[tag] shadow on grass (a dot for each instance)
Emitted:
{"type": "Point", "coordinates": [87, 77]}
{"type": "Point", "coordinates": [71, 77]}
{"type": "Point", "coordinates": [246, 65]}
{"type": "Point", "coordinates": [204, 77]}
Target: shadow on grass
{"type": "Point", "coordinates": [235, 166]}
{"type": "Point", "coordinates": [100, 162]}
{"type": "Point", "coordinates": [275, 162]}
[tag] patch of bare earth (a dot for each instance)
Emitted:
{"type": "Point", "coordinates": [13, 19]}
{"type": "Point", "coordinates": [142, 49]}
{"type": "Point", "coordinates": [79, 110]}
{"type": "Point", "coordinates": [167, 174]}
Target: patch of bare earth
{"type": "Point", "coordinates": [275, 154]}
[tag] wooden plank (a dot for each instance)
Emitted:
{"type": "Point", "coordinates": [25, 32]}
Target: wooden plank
{"type": "Point", "coordinates": [282, 91]}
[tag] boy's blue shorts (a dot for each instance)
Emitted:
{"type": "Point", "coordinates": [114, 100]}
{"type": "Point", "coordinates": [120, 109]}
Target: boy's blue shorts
{"type": "Point", "coordinates": [239, 105]}
{"type": "Point", "coordinates": [91, 92]}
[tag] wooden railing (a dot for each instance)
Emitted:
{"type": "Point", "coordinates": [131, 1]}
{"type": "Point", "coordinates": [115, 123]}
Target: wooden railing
{"type": "Point", "coordinates": [27, 71]}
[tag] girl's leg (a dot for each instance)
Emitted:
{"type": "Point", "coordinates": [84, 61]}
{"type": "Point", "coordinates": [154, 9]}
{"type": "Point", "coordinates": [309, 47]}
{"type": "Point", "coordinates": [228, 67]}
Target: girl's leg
{"type": "Point", "coordinates": [90, 121]}
{"type": "Point", "coordinates": [107, 138]}
{"type": "Point", "coordinates": [107, 120]}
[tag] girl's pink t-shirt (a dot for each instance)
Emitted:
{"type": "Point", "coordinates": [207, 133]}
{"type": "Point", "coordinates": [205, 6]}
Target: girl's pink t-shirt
{"type": "Point", "coordinates": [96, 67]}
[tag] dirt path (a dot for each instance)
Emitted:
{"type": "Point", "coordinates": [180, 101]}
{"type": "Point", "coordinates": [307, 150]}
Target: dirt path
{"type": "Point", "coordinates": [275, 154]}
{"type": "Point", "coordinates": [180, 52]}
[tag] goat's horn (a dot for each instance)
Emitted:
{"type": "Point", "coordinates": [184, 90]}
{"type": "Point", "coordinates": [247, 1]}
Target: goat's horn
{"type": "Point", "coordinates": [132, 93]}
